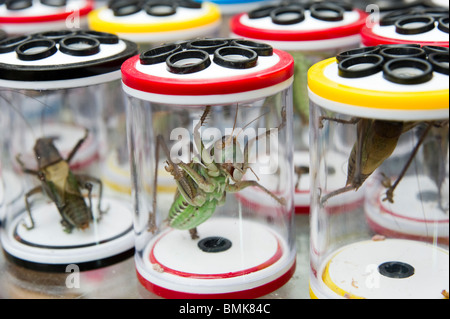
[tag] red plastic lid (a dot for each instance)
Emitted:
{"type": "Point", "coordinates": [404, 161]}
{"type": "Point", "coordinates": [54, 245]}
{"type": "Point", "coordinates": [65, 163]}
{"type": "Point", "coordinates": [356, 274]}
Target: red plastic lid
{"type": "Point", "coordinates": [427, 28]}
{"type": "Point", "coordinates": [239, 26]}
{"type": "Point", "coordinates": [55, 13]}
{"type": "Point", "coordinates": [215, 82]}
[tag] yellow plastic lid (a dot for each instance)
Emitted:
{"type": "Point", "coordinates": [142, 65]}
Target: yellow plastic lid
{"type": "Point", "coordinates": [141, 22]}
{"type": "Point", "coordinates": [376, 97]}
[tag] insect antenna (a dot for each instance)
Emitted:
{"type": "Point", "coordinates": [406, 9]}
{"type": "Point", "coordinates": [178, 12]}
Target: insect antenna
{"type": "Point", "coordinates": [234, 125]}
{"type": "Point", "coordinates": [45, 105]}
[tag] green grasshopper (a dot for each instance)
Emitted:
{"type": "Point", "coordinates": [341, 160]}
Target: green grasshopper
{"type": "Point", "coordinates": [376, 141]}
{"type": "Point", "coordinates": [61, 185]}
{"type": "Point", "coordinates": [202, 185]}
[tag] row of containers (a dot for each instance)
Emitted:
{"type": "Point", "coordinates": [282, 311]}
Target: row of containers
{"type": "Point", "coordinates": [151, 133]}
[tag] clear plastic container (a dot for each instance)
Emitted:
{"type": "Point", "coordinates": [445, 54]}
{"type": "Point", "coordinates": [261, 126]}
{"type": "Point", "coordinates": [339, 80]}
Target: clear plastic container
{"type": "Point", "coordinates": [151, 23]}
{"type": "Point", "coordinates": [31, 16]}
{"type": "Point", "coordinates": [211, 146]}
{"type": "Point", "coordinates": [65, 101]}
{"type": "Point", "coordinates": [310, 32]}
{"type": "Point", "coordinates": [380, 157]}
{"type": "Point", "coordinates": [423, 25]}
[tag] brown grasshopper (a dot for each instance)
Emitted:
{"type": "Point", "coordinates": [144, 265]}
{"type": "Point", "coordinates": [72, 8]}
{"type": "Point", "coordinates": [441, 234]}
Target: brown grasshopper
{"type": "Point", "coordinates": [61, 185]}
{"type": "Point", "coordinates": [376, 141]}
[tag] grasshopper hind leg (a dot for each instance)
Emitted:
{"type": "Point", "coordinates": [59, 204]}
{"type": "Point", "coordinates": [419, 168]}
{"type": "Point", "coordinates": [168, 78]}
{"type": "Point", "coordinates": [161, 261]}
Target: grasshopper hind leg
{"type": "Point", "coordinates": [193, 232]}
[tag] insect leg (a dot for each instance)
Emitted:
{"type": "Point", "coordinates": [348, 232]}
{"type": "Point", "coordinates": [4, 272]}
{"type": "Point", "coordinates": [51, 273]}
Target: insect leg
{"type": "Point", "coordinates": [84, 180]}
{"type": "Point", "coordinates": [77, 146]}
{"type": "Point", "coordinates": [351, 121]}
{"type": "Point", "coordinates": [354, 178]}
{"type": "Point", "coordinates": [390, 191]}
{"type": "Point", "coordinates": [24, 169]}
{"type": "Point", "coordinates": [238, 186]}
{"type": "Point", "coordinates": [300, 170]}
{"type": "Point", "coordinates": [35, 190]}
{"type": "Point", "coordinates": [205, 156]}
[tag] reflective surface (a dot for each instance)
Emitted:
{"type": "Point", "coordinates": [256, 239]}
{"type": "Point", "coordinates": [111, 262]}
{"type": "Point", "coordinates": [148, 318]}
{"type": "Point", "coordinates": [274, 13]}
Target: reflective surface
{"type": "Point", "coordinates": [119, 281]}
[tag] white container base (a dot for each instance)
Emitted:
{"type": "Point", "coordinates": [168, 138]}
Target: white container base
{"type": "Point", "coordinates": [47, 247]}
{"type": "Point", "coordinates": [352, 271]}
{"type": "Point", "coordinates": [257, 263]}
{"type": "Point", "coordinates": [411, 217]}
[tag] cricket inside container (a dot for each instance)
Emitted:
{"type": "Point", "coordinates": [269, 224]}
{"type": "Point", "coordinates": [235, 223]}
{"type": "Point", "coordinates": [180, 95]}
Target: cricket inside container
{"type": "Point", "coordinates": [209, 127]}
{"type": "Point", "coordinates": [394, 243]}
{"type": "Point", "coordinates": [60, 89]}
{"type": "Point", "coordinates": [311, 32]}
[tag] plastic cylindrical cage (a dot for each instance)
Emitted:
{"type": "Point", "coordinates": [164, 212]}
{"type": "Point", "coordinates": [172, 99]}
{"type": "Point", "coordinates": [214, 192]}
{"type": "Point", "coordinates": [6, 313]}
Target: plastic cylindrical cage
{"type": "Point", "coordinates": [427, 25]}
{"type": "Point", "coordinates": [311, 32]}
{"type": "Point", "coordinates": [150, 23]}
{"type": "Point", "coordinates": [211, 147]}
{"type": "Point", "coordinates": [65, 150]}
{"type": "Point", "coordinates": [31, 16]}
{"type": "Point", "coordinates": [380, 158]}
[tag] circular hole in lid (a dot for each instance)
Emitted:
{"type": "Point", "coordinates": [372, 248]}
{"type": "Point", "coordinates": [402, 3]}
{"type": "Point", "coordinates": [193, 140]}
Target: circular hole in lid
{"type": "Point", "coordinates": [54, 3]}
{"type": "Point", "coordinates": [414, 24]}
{"type": "Point", "coordinates": [102, 37]}
{"type": "Point", "coordinates": [214, 244]}
{"type": "Point", "coordinates": [403, 52]}
{"type": "Point", "coordinates": [389, 5]}
{"type": "Point", "coordinates": [360, 66]}
{"type": "Point", "coordinates": [10, 44]}
{"type": "Point", "coordinates": [262, 49]}
{"type": "Point", "coordinates": [125, 8]}
{"type": "Point", "coordinates": [346, 5]}
{"type": "Point", "coordinates": [191, 4]}
{"type": "Point", "coordinates": [55, 35]}
{"type": "Point", "coordinates": [160, 9]}
{"type": "Point", "coordinates": [327, 12]}
{"type": "Point", "coordinates": [396, 269]}
{"type": "Point", "coordinates": [303, 3]}
{"type": "Point", "coordinates": [435, 49]}
{"type": "Point", "coordinates": [208, 45]}
{"type": "Point", "coordinates": [36, 49]}
{"type": "Point", "coordinates": [358, 51]}
{"type": "Point", "coordinates": [408, 71]}
{"type": "Point", "coordinates": [158, 54]}
{"type": "Point", "coordinates": [287, 15]}
{"type": "Point", "coordinates": [79, 45]}
{"type": "Point", "coordinates": [261, 12]}
{"type": "Point", "coordinates": [391, 17]}
{"type": "Point", "coordinates": [235, 57]}
{"type": "Point", "coordinates": [443, 24]}
{"type": "Point", "coordinates": [188, 61]}
{"type": "Point", "coordinates": [18, 4]}
{"type": "Point", "coordinates": [440, 62]}
{"type": "Point", "coordinates": [436, 12]}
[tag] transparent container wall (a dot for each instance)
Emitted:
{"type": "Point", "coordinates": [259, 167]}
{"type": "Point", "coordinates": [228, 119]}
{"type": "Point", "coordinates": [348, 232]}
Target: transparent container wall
{"type": "Point", "coordinates": [63, 151]}
{"type": "Point", "coordinates": [379, 227]}
{"type": "Point", "coordinates": [303, 60]}
{"type": "Point", "coordinates": [225, 215]}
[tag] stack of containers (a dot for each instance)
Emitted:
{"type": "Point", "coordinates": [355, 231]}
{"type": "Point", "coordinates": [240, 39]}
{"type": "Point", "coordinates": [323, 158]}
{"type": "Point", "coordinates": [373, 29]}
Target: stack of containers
{"type": "Point", "coordinates": [58, 91]}
{"type": "Point", "coordinates": [206, 112]}
{"type": "Point", "coordinates": [150, 23]}
{"type": "Point", "coordinates": [310, 32]}
{"type": "Point", "coordinates": [384, 109]}
{"type": "Point", "coordinates": [19, 17]}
